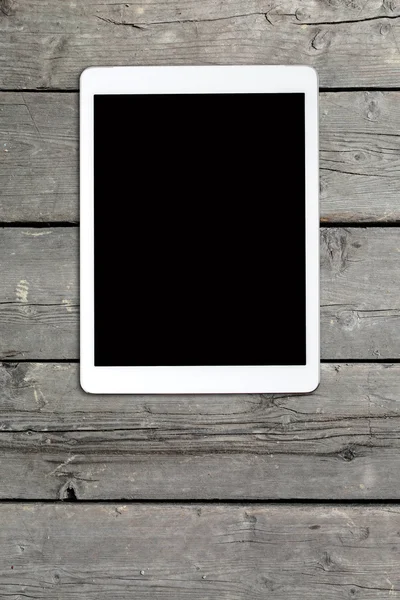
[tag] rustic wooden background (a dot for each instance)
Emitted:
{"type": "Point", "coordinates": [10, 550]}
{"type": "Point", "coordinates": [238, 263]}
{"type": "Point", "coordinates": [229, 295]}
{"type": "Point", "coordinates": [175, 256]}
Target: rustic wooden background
{"type": "Point", "coordinates": [219, 497]}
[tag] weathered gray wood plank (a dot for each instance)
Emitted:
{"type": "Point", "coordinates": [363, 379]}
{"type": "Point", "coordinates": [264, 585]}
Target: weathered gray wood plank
{"type": "Point", "coordinates": [38, 157]}
{"type": "Point", "coordinates": [48, 44]}
{"type": "Point", "coordinates": [360, 282]}
{"type": "Point", "coordinates": [212, 552]}
{"type": "Point", "coordinates": [360, 156]}
{"type": "Point", "coordinates": [39, 294]}
{"type": "Point", "coordinates": [360, 149]}
{"type": "Point", "coordinates": [339, 443]}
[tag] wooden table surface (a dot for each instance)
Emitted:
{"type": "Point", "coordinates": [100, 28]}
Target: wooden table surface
{"type": "Point", "coordinates": [237, 497]}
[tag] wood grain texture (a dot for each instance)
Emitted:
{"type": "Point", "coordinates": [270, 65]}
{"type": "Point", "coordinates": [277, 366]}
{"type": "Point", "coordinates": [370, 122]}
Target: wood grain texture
{"type": "Point", "coordinates": [39, 294]}
{"type": "Point", "coordinates": [38, 157]}
{"type": "Point", "coordinates": [359, 159]}
{"type": "Point", "coordinates": [108, 551]}
{"type": "Point", "coordinates": [360, 156]}
{"type": "Point", "coordinates": [47, 44]}
{"type": "Point", "coordinates": [339, 443]}
{"type": "Point", "coordinates": [360, 281]}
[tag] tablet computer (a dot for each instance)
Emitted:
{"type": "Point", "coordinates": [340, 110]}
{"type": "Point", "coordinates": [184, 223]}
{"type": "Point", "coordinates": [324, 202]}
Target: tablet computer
{"type": "Point", "coordinates": [199, 229]}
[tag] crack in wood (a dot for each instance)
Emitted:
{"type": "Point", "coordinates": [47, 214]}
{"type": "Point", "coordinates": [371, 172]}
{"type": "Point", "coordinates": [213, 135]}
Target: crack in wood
{"type": "Point", "coordinates": [347, 21]}
{"type": "Point", "coordinates": [181, 21]}
{"type": "Point", "coordinates": [123, 23]}
{"type": "Point", "coordinates": [344, 172]}
{"type": "Point", "coordinates": [31, 116]}
{"type": "Point", "coordinates": [25, 304]}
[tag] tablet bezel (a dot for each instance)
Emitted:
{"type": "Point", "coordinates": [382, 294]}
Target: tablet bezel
{"type": "Point", "coordinates": [215, 379]}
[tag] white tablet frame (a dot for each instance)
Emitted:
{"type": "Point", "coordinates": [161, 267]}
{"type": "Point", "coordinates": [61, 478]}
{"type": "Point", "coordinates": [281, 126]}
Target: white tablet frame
{"type": "Point", "coordinates": [209, 80]}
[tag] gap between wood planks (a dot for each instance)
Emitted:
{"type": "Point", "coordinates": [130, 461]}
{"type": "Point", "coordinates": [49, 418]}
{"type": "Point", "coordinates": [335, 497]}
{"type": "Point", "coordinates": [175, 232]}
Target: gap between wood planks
{"type": "Point", "coordinates": [322, 90]}
{"type": "Point", "coordinates": [324, 224]}
{"type": "Point", "coordinates": [327, 361]}
{"type": "Point", "coordinates": [329, 502]}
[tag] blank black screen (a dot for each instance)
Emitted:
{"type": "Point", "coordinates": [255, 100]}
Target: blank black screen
{"type": "Point", "coordinates": [199, 204]}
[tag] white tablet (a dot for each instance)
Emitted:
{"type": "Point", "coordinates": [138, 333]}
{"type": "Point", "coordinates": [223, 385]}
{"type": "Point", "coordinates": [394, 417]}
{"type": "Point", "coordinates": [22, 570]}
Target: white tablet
{"type": "Point", "coordinates": [199, 229]}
